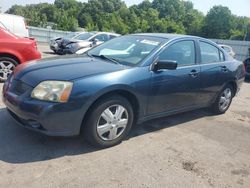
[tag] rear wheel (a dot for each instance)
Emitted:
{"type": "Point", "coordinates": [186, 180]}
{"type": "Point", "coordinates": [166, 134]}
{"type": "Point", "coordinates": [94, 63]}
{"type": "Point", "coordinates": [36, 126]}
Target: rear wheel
{"type": "Point", "coordinates": [109, 122]}
{"type": "Point", "coordinates": [7, 66]}
{"type": "Point", "coordinates": [247, 64]}
{"type": "Point", "coordinates": [223, 100]}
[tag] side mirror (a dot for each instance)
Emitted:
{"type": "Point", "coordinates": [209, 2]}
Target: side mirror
{"type": "Point", "coordinates": [164, 65]}
{"type": "Point", "coordinates": [94, 41]}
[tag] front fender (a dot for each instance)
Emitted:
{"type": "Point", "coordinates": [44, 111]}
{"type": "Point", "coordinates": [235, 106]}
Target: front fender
{"type": "Point", "coordinates": [142, 100]}
{"type": "Point", "coordinates": [135, 81]}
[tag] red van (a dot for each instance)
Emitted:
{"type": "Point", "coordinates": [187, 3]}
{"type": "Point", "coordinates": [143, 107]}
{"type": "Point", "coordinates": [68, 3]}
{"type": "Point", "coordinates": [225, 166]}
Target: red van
{"type": "Point", "coordinates": [15, 50]}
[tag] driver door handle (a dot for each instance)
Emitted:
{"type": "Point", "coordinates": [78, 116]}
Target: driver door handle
{"type": "Point", "coordinates": [224, 69]}
{"type": "Point", "coordinates": [194, 73]}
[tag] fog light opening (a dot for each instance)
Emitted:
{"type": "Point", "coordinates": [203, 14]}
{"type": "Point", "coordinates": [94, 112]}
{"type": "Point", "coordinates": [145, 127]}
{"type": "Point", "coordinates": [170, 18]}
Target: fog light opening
{"type": "Point", "coordinates": [34, 124]}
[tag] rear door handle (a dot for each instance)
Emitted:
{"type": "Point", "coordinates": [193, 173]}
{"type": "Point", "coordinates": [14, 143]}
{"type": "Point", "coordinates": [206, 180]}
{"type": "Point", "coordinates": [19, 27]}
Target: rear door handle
{"type": "Point", "coordinates": [224, 69]}
{"type": "Point", "coordinates": [194, 73]}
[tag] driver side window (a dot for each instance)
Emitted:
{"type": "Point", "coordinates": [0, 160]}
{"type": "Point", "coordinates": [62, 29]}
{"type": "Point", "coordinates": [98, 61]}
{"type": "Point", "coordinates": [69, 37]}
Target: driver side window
{"type": "Point", "coordinates": [182, 52]}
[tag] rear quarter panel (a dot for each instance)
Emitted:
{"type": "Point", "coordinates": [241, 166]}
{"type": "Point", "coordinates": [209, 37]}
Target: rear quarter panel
{"type": "Point", "coordinates": [13, 48]}
{"type": "Point", "coordinates": [238, 73]}
{"type": "Point", "coordinates": [23, 50]}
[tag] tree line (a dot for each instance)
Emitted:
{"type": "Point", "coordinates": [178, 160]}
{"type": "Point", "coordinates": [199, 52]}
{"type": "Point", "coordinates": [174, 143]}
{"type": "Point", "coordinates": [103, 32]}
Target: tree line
{"type": "Point", "coordinates": [164, 16]}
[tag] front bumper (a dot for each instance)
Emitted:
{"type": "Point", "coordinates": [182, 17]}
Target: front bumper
{"type": "Point", "coordinates": [68, 51]}
{"type": "Point", "coordinates": [71, 50]}
{"type": "Point", "coordinates": [54, 47]}
{"type": "Point", "coordinates": [53, 119]}
{"type": "Point", "coordinates": [74, 49]}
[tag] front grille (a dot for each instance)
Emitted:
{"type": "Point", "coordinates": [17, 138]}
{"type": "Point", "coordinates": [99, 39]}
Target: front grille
{"type": "Point", "coordinates": [18, 87]}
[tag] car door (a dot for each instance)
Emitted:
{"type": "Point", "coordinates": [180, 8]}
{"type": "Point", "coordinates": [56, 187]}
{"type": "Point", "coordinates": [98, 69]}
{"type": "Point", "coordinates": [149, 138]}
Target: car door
{"type": "Point", "coordinates": [175, 90]}
{"type": "Point", "coordinates": [214, 71]}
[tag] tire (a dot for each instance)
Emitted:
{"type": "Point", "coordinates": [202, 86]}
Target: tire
{"type": "Point", "coordinates": [60, 52]}
{"type": "Point", "coordinates": [7, 66]}
{"type": "Point", "coordinates": [247, 63]}
{"type": "Point", "coordinates": [226, 95]}
{"type": "Point", "coordinates": [102, 131]}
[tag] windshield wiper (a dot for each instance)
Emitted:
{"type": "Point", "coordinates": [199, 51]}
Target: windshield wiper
{"type": "Point", "coordinates": [116, 61]}
{"type": "Point", "coordinates": [88, 54]}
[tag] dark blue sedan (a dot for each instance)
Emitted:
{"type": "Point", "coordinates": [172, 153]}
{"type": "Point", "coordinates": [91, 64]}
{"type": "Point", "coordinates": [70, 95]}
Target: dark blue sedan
{"type": "Point", "coordinates": [125, 81]}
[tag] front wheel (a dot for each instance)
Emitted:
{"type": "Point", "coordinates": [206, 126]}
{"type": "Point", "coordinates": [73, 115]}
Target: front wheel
{"type": "Point", "coordinates": [109, 122]}
{"type": "Point", "coordinates": [7, 66]}
{"type": "Point", "coordinates": [223, 100]}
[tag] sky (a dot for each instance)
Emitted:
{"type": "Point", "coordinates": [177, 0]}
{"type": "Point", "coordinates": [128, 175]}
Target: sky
{"type": "Point", "coordinates": [238, 7]}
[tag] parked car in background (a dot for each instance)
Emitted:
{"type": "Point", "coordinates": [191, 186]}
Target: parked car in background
{"type": "Point", "coordinates": [15, 50]}
{"type": "Point", "coordinates": [247, 65]}
{"type": "Point", "coordinates": [84, 41]}
{"type": "Point", "coordinates": [15, 24]}
{"type": "Point", "coordinates": [56, 42]}
{"type": "Point", "coordinates": [228, 49]}
{"type": "Point", "coordinates": [130, 79]}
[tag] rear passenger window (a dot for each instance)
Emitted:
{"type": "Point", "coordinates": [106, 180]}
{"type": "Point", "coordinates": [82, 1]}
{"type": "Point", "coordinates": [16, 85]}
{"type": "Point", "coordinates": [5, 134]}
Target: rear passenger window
{"type": "Point", "coordinates": [182, 52]}
{"type": "Point", "coordinates": [210, 54]}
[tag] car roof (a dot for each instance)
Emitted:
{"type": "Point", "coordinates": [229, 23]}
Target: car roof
{"type": "Point", "coordinates": [170, 36]}
{"type": "Point", "coordinates": [108, 33]}
{"type": "Point", "coordinates": [11, 15]}
{"type": "Point", "coordinates": [223, 45]}
{"type": "Point", "coordinates": [167, 35]}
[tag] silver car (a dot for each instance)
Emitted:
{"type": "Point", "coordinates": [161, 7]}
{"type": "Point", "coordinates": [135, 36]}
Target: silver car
{"type": "Point", "coordinates": [85, 41]}
{"type": "Point", "coordinates": [228, 49]}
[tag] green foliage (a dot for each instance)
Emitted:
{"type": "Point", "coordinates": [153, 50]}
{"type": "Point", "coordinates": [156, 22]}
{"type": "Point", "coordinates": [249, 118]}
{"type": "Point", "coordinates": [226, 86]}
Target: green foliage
{"type": "Point", "coordinates": [173, 9]}
{"type": "Point", "coordinates": [165, 16]}
{"type": "Point", "coordinates": [218, 23]}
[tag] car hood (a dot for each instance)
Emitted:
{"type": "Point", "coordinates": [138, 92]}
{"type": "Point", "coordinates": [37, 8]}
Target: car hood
{"type": "Point", "coordinates": [84, 43]}
{"type": "Point", "coordinates": [58, 38]}
{"type": "Point", "coordinates": [65, 68]}
{"type": "Point", "coordinates": [65, 42]}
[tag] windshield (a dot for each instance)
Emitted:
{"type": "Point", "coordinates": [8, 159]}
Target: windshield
{"type": "Point", "coordinates": [83, 36]}
{"type": "Point", "coordinates": [129, 50]}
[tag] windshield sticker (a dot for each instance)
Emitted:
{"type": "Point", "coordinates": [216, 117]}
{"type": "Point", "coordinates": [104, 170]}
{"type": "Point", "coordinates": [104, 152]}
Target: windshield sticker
{"type": "Point", "coordinates": [151, 42]}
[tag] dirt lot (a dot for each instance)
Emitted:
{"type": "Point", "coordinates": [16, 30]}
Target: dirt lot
{"type": "Point", "coordinates": [194, 149]}
{"type": "Point", "coordinates": [45, 50]}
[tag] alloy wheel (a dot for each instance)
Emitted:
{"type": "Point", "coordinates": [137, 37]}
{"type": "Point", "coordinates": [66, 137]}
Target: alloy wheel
{"type": "Point", "coordinates": [6, 68]}
{"type": "Point", "coordinates": [225, 99]}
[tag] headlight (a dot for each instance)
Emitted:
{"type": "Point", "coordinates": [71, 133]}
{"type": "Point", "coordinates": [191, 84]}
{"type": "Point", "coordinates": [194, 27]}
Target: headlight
{"type": "Point", "coordinates": [54, 91]}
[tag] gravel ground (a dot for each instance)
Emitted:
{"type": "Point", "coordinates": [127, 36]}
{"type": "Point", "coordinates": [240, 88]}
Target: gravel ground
{"type": "Point", "coordinates": [194, 149]}
{"type": "Point", "coordinates": [45, 50]}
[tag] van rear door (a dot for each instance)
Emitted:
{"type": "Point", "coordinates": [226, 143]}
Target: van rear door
{"type": "Point", "coordinates": [20, 27]}
{"type": "Point", "coordinates": [15, 24]}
